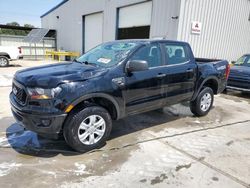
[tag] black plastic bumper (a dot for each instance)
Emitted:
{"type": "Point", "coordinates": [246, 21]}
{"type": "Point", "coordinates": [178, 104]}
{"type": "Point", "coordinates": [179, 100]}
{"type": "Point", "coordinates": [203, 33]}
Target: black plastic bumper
{"type": "Point", "coordinates": [47, 125]}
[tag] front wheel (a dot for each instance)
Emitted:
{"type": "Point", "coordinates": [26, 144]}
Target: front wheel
{"type": "Point", "coordinates": [87, 129]}
{"type": "Point", "coordinates": [203, 103]}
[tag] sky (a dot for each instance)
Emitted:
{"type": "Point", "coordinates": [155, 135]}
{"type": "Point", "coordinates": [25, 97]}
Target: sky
{"type": "Point", "coordinates": [25, 11]}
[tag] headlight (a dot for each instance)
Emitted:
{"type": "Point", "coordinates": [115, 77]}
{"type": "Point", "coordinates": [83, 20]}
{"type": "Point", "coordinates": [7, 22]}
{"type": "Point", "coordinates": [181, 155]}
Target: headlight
{"type": "Point", "coordinates": [40, 93]}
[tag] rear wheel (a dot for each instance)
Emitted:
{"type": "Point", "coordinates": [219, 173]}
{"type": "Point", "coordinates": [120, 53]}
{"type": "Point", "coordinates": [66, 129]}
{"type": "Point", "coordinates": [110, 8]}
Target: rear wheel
{"type": "Point", "coordinates": [88, 128]}
{"type": "Point", "coordinates": [4, 62]}
{"type": "Point", "coordinates": [203, 103]}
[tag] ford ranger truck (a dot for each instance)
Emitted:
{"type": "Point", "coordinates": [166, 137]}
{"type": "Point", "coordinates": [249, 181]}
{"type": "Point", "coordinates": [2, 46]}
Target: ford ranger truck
{"type": "Point", "coordinates": [116, 79]}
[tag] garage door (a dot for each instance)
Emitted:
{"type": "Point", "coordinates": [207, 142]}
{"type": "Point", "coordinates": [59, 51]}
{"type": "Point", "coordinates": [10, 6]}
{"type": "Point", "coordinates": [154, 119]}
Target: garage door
{"type": "Point", "coordinates": [134, 21]}
{"type": "Point", "coordinates": [93, 30]}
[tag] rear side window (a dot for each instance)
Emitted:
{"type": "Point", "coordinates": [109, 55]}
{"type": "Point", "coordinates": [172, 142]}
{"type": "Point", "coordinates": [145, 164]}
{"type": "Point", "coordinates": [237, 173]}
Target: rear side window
{"type": "Point", "coordinates": [176, 54]}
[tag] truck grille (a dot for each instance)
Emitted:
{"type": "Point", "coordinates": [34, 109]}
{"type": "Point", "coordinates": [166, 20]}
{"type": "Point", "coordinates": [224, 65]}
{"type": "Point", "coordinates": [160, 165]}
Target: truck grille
{"type": "Point", "coordinates": [19, 93]}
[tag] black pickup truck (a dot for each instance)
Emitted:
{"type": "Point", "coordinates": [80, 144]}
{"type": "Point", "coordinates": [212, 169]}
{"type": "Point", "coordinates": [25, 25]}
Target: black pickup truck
{"type": "Point", "coordinates": [113, 80]}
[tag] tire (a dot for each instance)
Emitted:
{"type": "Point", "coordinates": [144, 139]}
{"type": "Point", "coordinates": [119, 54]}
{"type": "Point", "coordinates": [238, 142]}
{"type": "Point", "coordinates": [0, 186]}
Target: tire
{"type": "Point", "coordinates": [207, 96]}
{"type": "Point", "coordinates": [4, 61]}
{"type": "Point", "coordinates": [80, 125]}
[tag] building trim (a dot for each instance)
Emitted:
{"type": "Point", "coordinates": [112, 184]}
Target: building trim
{"type": "Point", "coordinates": [54, 8]}
{"type": "Point", "coordinates": [83, 34]}
{"type": "Point", "coordinates": [117, 23]}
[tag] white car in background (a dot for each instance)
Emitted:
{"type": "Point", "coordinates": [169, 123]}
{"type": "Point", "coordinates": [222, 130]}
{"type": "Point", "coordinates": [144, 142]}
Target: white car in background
{"type": "Point", "coordinates": [9, 53]}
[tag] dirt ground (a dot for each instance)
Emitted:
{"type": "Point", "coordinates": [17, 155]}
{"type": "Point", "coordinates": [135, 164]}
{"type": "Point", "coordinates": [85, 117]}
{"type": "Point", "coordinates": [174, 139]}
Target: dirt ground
{"type": "Point", "coordinates": [169, 148]}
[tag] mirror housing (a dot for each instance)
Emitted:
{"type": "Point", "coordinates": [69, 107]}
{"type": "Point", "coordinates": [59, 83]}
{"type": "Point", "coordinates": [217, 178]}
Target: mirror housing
{"type": "Point", "coordinates": [136, 65]}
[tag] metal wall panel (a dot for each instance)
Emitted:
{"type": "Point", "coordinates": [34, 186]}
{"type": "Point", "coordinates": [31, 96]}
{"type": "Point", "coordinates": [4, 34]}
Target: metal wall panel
{"type": "Point", "coordinates": [165, 19]}
{"type": "Point", "coordinates": [225, 32]}
{"type": "Point", "coordinates": [225, 25]}
{"type": "Point", "coordinates": [67, 20]}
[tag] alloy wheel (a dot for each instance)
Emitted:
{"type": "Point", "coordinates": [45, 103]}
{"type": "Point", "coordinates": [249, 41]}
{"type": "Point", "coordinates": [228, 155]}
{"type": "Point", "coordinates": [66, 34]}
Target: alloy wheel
{"type": "Point", "coordinates": [92, 129]}
{"type": "Point", "coordinates": [3, 61]}
{"type": "Point", "coordinates": [206, 101]}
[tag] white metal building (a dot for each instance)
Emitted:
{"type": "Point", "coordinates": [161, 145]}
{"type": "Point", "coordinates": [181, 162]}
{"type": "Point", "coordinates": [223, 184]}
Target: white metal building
{"type": "Point", "coordinates": [214, 28]}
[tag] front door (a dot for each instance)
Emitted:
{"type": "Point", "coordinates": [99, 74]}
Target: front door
{"type": "Point", "coordinates": [143, 89]}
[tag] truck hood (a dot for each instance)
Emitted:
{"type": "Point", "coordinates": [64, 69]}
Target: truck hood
{"type": "Point", "coordinates": [50, 76]}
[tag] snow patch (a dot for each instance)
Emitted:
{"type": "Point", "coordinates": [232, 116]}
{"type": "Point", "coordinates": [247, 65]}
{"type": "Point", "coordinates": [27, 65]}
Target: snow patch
{"type": "Point", "coordinates": [6, 80]}
{"type": "Point", "coordinates": [80, 169]}
{"type": "Point", "coordinates": [4, 142]}
{"type": "Point", "coordinates": [197, 121]}
{"type": "Point", "coordinates": [6, 168]}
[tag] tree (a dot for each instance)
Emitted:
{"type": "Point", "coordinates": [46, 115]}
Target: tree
{"type": "Point", "coordinates": [13, 24]}
{"type": "Point", "coordinates": [29, 25]}
{"type": "Point", "coordinates": [15, 32]}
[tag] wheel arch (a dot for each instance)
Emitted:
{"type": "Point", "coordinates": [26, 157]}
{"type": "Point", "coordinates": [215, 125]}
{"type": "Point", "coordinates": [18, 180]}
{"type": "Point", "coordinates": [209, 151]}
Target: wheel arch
{"type": "Point", "coordinates": [106, 101]}
{"type": "Point", "coordinates": [211, 82]}
{"type": "Point", "coordinates": [5, 54]}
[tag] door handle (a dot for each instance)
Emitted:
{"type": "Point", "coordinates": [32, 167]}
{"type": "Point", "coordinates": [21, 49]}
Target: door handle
{"type": "Point", "coordinates": [190, 70]}
{"type": "Point", "coordinates": [160, 75]}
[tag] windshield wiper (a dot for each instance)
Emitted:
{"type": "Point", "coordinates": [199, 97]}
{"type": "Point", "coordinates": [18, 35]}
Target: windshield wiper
{"type": "Point", "coordinates": [88, 63]}
{"type": "Point", "coordinates": [85, 62]}
{"type": "Point", "coordinates": [75, 60]}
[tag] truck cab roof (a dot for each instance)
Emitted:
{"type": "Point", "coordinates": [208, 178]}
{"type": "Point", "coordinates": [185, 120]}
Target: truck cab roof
{"type": "Point", "coordinates": [149, 41]}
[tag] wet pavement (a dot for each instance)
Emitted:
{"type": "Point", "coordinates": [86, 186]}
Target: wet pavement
{"type": "Point", "coordinates": [167, 148]}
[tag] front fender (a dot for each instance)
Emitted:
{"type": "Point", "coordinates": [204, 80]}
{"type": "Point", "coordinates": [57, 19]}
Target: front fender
{"type": "Point", "coordinates": [119, 109]}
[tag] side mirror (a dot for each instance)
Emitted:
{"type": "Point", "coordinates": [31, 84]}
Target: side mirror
{"type": "Point", "coordinates": [136, 65]}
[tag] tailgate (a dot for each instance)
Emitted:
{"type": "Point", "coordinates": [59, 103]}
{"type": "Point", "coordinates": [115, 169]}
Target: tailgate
{"type": "Point", "coordinates": [221, 66]}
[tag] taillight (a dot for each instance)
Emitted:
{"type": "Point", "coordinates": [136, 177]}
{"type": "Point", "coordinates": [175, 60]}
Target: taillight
{"type": "Point", "coordinates": [20, 50]}
{"type": "Point", "coordinates": [227, 71]}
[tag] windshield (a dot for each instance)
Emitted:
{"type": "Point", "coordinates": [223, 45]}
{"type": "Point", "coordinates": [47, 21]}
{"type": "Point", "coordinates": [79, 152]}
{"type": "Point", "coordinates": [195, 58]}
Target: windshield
{"type": "Point", "coordinates": [243, 61]}
{"type": "Point", "coordinates": [107, 54]}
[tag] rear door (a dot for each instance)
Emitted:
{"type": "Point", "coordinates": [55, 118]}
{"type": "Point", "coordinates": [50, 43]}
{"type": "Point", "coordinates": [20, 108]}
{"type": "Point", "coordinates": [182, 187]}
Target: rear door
{"type": "Point", "coordinates": [143, 89]}
{"type": "Point", "coordinates": [180, 71]}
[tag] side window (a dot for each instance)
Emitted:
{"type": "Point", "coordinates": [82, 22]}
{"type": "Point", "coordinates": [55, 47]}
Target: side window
{"type": "Point", "coordinates": [176, 54]}
{"type": "Point", "coordinates": [241, 60]}
{"type": "Point", "coordinates": [149, 53]}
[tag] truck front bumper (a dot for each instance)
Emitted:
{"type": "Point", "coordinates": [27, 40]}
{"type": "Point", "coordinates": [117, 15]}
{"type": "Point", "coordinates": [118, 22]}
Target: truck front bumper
{"type": "Point", "coordinates": [47, 125]}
